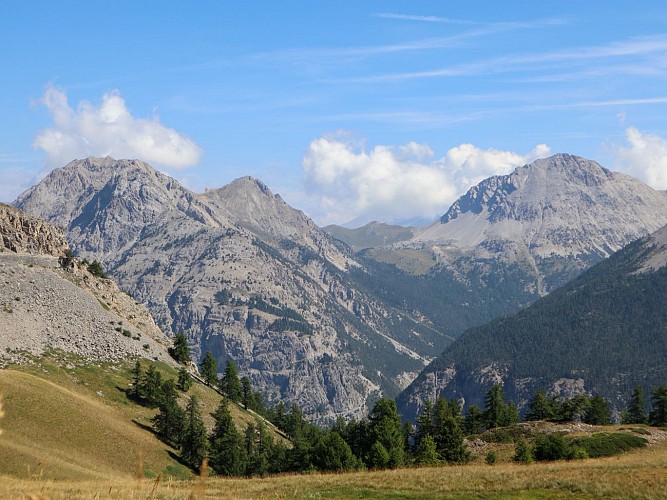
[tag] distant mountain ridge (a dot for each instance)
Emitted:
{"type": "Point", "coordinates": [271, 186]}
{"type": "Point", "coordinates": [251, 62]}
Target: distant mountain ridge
{"type": "Point", "coordinates": [553, 218]}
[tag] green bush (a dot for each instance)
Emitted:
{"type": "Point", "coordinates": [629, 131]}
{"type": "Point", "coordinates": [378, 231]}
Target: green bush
{"type": "Point", "coordinates": [491, 458]}
{"type": "Point", "coordinates": [523, 452]}
{"type": "Point", "coordinates": [607, 444]}
{"type": "Point", "coordinates": [552, 447]}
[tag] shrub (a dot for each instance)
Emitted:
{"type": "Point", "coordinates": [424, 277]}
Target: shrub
{"type": "Point", "coordinates": [551, 447]}
{"type": "Point", "coordinates": [607, 444]}
{"type": "Point", "coordinates": [491, 458]}
{"type": "Point", "coordinates": [96, 269]}
{"type": "Point", "coordinates": [523, 452]}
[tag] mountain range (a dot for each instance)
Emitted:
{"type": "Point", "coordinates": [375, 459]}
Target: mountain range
{"type": "Point", "coordinates": [308, 320]}
{"type": "Point", "coordinates": [244, 276]}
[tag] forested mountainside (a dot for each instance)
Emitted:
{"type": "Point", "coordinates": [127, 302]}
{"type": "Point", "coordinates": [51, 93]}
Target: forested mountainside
{"type": "Point", "coordinates": [604, 333]}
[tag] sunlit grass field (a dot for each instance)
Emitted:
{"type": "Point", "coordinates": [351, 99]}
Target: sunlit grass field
{"type": "Point", "coordinates": [640, 474]}
{"type": "Point", "coordinates": [70, 432]}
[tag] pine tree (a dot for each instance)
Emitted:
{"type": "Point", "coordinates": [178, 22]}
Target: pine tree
{"type": "Point", "coordinates": [151, 387]}
{"type": "Point", "coordinates": [184, 380]}
{"type": "Point", "coordinates": [209, 369]}
{"type": "Point", "coordinates": [247, 395]}
{"type": "Point", "coordinates": [332, 453]}
{"type": "Point", "coordinates": [170, 420]}
{"type": "Point", "coordinates": [230, 383]}
{"type": "Point", "coordinates": [597, 413]}
{"type": "Point", "coordinates": [474, 421]}
{"type": "Point", "coordinates": [539, 407]}
{"type": "Point", "coordinates": [636, 413]}
{"type": "Point", "coordinates": [385, 428]}
{"type": "Point", "coordinates": [424, 423]}
{"type": "Point", "coordinates": [494, 407]}
{"type": "Point", "coordinates": [180, 351]}
{"type": "Point", "coordinates": [227, 447]}
{"type": "Point", "coordinates": [427, 453]}
{"type": "Point", "coordinates": [194, 442]}
{"type": "Point", "coordinates": [448, 436]}
{"type": "Point", "coordinates": [523, 452]}
{"type": "Point", "coordinates": [137, 382]}
{"type": "Point", "coordinates": [510, 414]}
{"type": "Point", "coordinates": [658, 414]}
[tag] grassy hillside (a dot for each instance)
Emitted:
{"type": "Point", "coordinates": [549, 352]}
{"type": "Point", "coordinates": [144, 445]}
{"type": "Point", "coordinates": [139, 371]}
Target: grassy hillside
{"type": "Point", "coordinates": [65, 420]}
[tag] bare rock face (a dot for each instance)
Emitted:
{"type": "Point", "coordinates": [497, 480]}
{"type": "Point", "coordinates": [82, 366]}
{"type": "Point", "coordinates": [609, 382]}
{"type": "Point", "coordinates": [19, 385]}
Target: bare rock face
{"type": "Point", "coordinates": [243, 275]}
{"type": "Point", "coordinates": [22, 233]}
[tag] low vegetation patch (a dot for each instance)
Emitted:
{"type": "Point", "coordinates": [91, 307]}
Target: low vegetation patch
{"type": "Point", "coordinates": [607, 444]}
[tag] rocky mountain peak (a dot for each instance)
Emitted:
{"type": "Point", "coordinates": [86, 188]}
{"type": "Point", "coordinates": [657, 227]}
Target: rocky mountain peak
{"type": "Point", "coordinates": [21, 233]}
{"type": "Point", "coordinates": [105, 203]}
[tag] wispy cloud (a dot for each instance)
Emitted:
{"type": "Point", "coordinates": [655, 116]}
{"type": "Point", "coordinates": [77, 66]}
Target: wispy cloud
{"type": "Point", "coordinates": [427, 19]}
{"type": "Point", "coordinates": [656, 45]}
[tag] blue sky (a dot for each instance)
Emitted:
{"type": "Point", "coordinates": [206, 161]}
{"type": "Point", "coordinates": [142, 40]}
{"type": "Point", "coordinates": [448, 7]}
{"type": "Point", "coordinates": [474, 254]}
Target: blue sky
{"type": "Point", "coordinates": [349, 109]}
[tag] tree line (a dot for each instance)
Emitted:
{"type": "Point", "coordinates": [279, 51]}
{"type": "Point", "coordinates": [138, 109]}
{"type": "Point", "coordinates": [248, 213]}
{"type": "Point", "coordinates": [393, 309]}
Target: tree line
{"type": "Point", "coordinates": [379, 441]}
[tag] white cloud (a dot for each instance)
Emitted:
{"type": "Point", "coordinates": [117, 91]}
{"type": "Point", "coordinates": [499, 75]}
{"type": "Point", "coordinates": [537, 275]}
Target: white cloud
{"type": "Point", "coordinates": [644, 156]}
{"type": "Point", "coordinates": [397, 182]}
{"type": "Point", "coordinates": [109, 129]}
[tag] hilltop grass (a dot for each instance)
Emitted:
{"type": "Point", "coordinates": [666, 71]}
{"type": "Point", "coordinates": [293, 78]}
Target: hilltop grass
{"type": "Point", "coordinates": [639, 474]}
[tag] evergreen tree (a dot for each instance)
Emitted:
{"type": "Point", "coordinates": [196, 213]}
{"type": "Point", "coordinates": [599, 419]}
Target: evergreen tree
{"type": "Point", "coordinates": [150, 389]}
{"type": "Point", "coordinates": [332, 453]}
{"type": "Point", "coordinates": [427, 453]}
{"type": "Point", "coordinates": [385, 428]}
{"type": "Point", "coordinates": [247, 395]}
{"type": "Point", "coordinates": [227, 447]}
{"type": "Point", "coordinates": [494, 407]}
{"type": "Point", "coordinates": [169, 421]}
{"type": "Point", "coordinates": [258, 446]}
{"type": "Point", "coordinates": [448, 436]}
{"type": "Point", "coordinates": [597, 413]}
{"type": "Point", "coordinates": [137, 382]}
{"type": "Point", "coordinates": [280, 419]}
{"type": "Point", "coordinates": [378, 456]}
{"type": "Point", "coordinates": [523, 452]}
{"type": "Point", "coordinates": [408, 435]}
{"type": "Point", "coordinates": [539, 407]}
{"type": "Point", "coordinates": [184, 380]}
{"type": "Point", "coordinates": [180, 351]}
{"type": "Point", "coordinates": [510, 414]}
{"type": "Point", "coordinates": [424, 423]}
{"type": "Point", "coordinates": [474, 421]}
{"type": "Point", "coordinates": [209, 369]}
{"type": "Point", "coordinates": [636, 413]}
{"type": "Point", "coordinates": [573, 409]}
{"type": "Point", "coordinates": [96, 269]}
{"type": "Point", "coordinates": [658, 415]}
{"type": "Point", "coordinates": [194, 442]}
{"type": "Point", "coordinates": [230, 383]}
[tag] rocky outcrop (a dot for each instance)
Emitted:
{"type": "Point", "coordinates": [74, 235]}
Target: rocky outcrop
{"type": "Point", "coordinates": [45, 305]}
{"type": "Point", "coordinates": [21, 233]}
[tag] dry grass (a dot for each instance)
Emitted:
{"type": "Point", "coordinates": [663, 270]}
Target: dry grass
{"type": "Point", "coordinates": [639, 474]}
